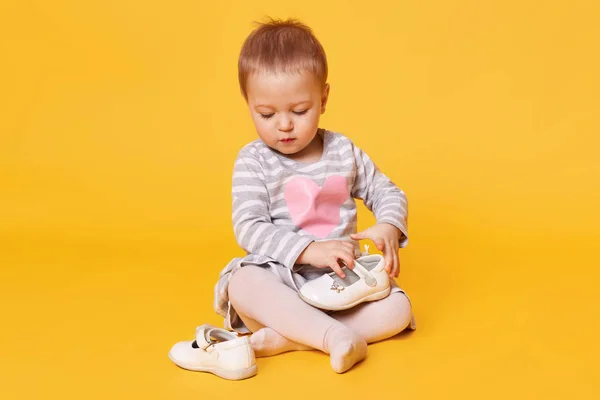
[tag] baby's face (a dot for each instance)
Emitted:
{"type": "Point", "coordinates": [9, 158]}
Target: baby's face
{"type": "Point", "coordinates": [286, 109]}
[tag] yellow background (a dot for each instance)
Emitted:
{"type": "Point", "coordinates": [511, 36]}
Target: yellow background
{"type": "Point", "coordinates": [119, 124]}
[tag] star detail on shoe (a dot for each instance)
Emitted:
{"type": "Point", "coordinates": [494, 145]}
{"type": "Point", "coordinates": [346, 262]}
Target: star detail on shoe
{"type": "Point", "coordinates": [337, 287]}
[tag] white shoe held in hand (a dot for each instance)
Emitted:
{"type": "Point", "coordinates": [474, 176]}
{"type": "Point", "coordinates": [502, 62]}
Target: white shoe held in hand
{"type": "Point", "coordinates": [217, 351]}
{"type": "Point", "coordinates": [368, 281]}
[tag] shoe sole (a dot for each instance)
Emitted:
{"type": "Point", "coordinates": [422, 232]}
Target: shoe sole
{"type": "Point", "coordinates": [371, 297]}
{"type": "Point", "coordinates": [223, 373]}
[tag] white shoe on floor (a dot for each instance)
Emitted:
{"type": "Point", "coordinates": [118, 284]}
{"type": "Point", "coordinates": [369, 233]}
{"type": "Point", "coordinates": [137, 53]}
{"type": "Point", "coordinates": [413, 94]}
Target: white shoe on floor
{"type": "Point", "coordinates": [368, 281]}
{"type": "Point", "coordinates": [217, 351]}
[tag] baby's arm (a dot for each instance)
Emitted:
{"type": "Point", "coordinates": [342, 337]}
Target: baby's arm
{"type": "Point", "coordinates": [380, 195]}
{"type": "Point", "coordinates": [389, 205]}
{"type": "Point", "coordinates": [252, 224]}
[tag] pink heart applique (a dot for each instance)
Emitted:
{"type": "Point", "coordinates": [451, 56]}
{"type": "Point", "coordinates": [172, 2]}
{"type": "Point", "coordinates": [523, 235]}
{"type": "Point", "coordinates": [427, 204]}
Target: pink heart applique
{"type": "Point", "coordinates": [316, 210]}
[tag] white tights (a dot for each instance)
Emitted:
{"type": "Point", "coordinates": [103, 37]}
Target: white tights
{"type": "Point", "coordinates": [281, 321]}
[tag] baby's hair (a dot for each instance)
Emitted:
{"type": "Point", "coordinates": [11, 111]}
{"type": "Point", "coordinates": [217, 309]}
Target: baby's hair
{"type": "Point", "coordinates": [281, 46]}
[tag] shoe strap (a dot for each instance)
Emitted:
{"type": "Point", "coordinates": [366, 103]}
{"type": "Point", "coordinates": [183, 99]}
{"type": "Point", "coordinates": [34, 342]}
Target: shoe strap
{"type": "Point", "coordinates": [203, 337]}
{"type": "Point", "coordinates": [364, 274]}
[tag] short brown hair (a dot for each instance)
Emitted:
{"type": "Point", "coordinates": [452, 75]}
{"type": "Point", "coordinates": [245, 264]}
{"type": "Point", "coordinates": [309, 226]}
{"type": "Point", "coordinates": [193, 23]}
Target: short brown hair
{"type": "Point", "coordinates": [281, 46]}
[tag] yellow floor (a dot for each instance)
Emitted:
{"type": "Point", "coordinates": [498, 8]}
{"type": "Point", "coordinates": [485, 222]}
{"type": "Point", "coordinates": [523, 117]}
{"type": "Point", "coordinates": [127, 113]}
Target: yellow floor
{"type": "Point", "coordinates": [85, 321]}
{"type": "Point", "coordinates": [119, 124]}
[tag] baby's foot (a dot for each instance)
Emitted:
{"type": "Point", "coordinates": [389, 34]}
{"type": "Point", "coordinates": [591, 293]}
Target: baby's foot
{"type": "Point", "coordinates": [267, 342]}
{"type": "Point", "coordinates": [345, 347]}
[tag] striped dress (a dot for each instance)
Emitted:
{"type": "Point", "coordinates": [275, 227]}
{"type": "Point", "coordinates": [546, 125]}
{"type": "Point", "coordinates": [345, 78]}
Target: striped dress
{"type": "Point", "coordinates": [280, 206]}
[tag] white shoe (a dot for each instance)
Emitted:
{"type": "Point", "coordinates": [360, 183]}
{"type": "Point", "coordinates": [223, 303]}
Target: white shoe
{"type": "Point", "coordinates": [217, 351]}
{"type": "Point", "coordinates": [368, 281]}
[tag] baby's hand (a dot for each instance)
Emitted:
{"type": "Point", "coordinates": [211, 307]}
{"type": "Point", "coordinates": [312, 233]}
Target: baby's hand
{"type": "Point", "coordinates": [387, 238]}
{"type": "Point", "coordinates": [329, 254]}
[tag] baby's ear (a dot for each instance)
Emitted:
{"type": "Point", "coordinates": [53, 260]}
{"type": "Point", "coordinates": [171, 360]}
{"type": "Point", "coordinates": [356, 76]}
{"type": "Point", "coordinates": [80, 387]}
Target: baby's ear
{"type": "Point", "coordinates": [325, 97]}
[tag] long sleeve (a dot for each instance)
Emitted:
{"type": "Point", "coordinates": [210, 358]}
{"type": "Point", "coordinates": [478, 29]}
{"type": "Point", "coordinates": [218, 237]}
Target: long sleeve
{"type": "Point", "coordinates": [252, 224]}
{"type": "Point", "coordinates": [380, 195]}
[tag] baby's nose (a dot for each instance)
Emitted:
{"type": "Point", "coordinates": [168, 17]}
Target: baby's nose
{"type": "Point", "coordinates": [285, 124]}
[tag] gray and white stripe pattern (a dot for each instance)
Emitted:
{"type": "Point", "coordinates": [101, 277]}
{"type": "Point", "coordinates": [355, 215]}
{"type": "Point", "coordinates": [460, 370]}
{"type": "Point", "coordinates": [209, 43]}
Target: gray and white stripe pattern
{"type": "Point", "coordinates": [261, 221]}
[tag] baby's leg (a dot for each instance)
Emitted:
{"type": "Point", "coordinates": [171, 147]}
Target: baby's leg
{"type": "Point", "coordinates": [378, 320]}
{"type": "Point", "coordinates": [267, 342]}
{"type": "Point", "coordinates": [374, 321]}
{"type": "Point", "coordinates": [259, 295]}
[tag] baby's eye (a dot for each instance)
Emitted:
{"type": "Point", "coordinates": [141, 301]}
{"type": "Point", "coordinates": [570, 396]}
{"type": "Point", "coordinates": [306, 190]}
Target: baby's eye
{"type": "Point", "coordinates": [266, 116]}
{"type": "Point", "coordinates": [300, 112]}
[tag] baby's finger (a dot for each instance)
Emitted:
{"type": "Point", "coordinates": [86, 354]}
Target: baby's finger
{"type": "Point", "coordinates": [358, 236]}
{"type": "Point", "coordinates": [390, 253]}
{"type": "Point", "coordinates": [388, 258]}
{"type": "Point", "coordinates": [394, 272]}
{"type": "Point", "coordinates": [336, 268]}
{"type": "Point", "coordinates": [398, 269]}
{"type": "Point", "coordinates": [347, 257]}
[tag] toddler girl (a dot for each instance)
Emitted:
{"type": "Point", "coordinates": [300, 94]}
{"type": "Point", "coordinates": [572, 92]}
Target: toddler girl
{"type": "Point", "coordinates": [294, 210]}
